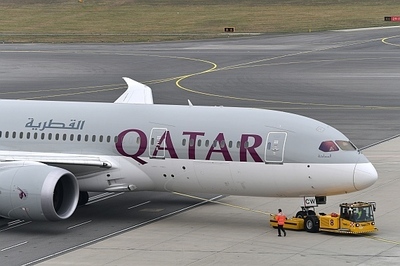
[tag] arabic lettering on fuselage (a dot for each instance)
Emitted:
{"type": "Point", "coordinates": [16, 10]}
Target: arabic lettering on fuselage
{"type": "Point", "coordinates": [51, 124]}
{"type": "Point", "coordinates": [248, 145]}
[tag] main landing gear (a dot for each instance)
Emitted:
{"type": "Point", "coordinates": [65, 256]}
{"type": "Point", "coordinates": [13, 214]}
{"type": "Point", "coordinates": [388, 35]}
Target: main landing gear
{"type": "Point", "coordinates": [311, 220]}
{"type": "Point", "coordinates": [305, 211]}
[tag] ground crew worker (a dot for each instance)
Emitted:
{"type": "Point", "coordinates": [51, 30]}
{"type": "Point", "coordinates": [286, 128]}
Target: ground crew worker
{"type": "Point", "coordinates": [280, 218]}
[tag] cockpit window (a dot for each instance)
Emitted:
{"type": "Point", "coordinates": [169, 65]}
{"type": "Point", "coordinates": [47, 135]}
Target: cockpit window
{"type": "Point", "coordinates": [328, 146]}
{"type": "Point", "coordinates": [346, 145]}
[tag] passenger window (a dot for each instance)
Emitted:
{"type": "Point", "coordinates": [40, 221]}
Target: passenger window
{"type": "Point", "coordinates": [222, 144]}
{"type": "Point", "coordinates": [183, 142]}
{"type": "Point", "coordinates": [328, 146]}
{"type": "Point", "coordinates": [49, 136]}
{"type": "Point", "coordinates": [71, 137]}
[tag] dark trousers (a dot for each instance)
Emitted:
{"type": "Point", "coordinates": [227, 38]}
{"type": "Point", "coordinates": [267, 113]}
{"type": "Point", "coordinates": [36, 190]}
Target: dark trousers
{"type": "Point", "coordinates": [280, 227]}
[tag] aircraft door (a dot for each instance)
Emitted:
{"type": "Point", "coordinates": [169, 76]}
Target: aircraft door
{"type": "Point", "coordinates": [275, 148]}
{"type": "Point", "coordinates": [157, 143]}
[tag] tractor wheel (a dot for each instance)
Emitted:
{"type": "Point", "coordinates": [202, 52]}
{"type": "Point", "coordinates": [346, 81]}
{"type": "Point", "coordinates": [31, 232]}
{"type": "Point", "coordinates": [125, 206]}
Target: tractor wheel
{"type": "Point", "coordinates": [311, 224]}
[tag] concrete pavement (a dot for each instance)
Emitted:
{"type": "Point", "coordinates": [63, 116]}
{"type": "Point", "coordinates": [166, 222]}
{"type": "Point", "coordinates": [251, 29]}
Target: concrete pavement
{"type": "Point", "coordinates": [215, 234]}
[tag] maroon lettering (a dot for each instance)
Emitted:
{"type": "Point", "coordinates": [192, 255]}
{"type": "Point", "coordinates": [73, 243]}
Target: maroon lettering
{"type": "Point", "coordinates": [192, 143]}
{"type": "Point", "coordinates": [219, 141]}
{"type": "Point", "coordinates": [251, 149]}
{"type": "Point", "coordinates": [169, 146]}
{"type": "Point", "coordinates": [126, 143]}
{"type": "Point", "coordinates": [142, 145]}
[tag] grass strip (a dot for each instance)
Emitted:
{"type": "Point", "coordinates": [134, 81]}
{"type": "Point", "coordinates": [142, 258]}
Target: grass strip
{"type": "Point", "coordinates": [159, 20]}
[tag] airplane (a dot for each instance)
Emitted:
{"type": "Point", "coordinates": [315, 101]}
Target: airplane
{"type": "Point", "coordinates": [53, 153]}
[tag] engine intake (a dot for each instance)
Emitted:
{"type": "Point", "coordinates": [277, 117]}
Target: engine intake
{"type": "Point", "coordinates": [36, 191]}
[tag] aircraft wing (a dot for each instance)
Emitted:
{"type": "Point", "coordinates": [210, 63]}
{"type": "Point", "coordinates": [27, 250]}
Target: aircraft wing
{"type": "Point", "coordinates": [78, 164]}
{"type": "Point", "coordinates": [136, 93]}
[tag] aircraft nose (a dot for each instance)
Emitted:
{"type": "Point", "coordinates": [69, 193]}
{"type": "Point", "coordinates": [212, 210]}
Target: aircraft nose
{"type": "Point", "coordinates": [365, 175]}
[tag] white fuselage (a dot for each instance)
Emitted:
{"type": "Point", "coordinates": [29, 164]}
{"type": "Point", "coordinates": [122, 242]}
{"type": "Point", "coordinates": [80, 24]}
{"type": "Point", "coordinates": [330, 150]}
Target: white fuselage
{"type": "Point", "coordinates": [183, 148]}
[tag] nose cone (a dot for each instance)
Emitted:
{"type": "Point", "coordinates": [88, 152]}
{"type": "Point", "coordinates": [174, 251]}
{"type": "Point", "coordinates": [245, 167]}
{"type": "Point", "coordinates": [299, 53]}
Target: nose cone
{"type": "Point", "coordinates": [365, 175]}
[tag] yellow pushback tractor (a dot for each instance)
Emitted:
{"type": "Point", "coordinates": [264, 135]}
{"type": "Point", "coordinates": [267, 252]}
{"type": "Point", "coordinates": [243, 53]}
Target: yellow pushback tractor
{"type": "Point", "coordinates": [353, 218]}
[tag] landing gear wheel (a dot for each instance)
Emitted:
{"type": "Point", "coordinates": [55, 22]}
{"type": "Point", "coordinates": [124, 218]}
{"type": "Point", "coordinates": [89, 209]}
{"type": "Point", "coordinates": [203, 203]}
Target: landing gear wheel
{"type": "Point", "coordinates": [311, 212]}
{"type": "Point", "coordinates": [301, 214]}
{"type": "Point", "coordinates": [83, 198]}
{"type": "Point", "coordinates": [311, 224]}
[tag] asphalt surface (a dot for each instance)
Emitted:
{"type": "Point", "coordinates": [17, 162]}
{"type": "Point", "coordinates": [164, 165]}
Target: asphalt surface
{"type": "Point", "coordinates": [348, 79]}
{"type": "Point", "coordinates": [221, 235]}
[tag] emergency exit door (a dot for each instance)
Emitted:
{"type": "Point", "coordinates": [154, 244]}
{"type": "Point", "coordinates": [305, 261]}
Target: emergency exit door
{"type": "Point", "coordinates": [275, 148]}
{"type": "Point", "coordinates": [157, 143]}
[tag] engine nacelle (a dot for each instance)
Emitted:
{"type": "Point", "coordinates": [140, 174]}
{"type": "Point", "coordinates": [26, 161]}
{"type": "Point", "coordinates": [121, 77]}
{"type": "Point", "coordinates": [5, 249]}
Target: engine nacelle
{"type": "Point", "coordinates": [36, 191]}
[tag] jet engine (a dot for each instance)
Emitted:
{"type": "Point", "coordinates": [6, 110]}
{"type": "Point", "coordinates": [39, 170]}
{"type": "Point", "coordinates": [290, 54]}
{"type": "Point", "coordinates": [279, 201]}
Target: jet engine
{"type": "Point", "coordinates": [36, 191]}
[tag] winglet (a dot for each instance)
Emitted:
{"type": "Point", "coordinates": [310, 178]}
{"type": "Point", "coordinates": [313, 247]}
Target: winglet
{"type": "Point", "coordinates": [136, 93]}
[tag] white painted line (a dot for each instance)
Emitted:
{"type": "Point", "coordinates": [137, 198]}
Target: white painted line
{"type": "Point", "coordinates": [100, 196]}
{"type": "Point", "coordinates": [373, 28]}
{"type": "Point", "coordinates": [119, 232]}
{"type": "Point", "coordinates": [140, 204]}
{"type": "Point", "coordinates": [104, 198]}
{"type": "Point", "coordinates": [14, 246]}
{"type": "Point", "coordinates": [77, 225]}
{"type": "Point", "coordinates": [16, 224]}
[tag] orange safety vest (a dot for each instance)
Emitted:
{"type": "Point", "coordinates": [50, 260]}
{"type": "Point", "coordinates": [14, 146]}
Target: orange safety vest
{"type": "Point", "coordinates": [280, 218]}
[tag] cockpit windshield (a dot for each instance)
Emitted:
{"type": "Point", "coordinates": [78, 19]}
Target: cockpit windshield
{"type": "Point", "coordinates": [346, 145]}
{"type": "Point", "coordinates": [328, 146]}
{"type": "Point", "coordinates": [331, 146]}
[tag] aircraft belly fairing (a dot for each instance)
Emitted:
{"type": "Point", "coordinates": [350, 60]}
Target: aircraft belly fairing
{"type": "Point", "coordinates": [253, 179]}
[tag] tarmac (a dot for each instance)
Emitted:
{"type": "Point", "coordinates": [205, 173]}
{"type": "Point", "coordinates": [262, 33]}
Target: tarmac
{"type": "Point", "coordinates": [215, 234]}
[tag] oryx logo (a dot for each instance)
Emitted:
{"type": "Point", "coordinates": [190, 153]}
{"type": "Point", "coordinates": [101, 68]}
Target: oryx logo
{"type": "Point", "coordinates": [22, 193]}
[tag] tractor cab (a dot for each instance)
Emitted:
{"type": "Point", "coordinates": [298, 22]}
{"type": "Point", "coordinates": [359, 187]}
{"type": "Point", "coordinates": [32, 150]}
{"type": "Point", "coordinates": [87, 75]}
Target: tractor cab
{"type": "Point", "coordinates": [358, 212]}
